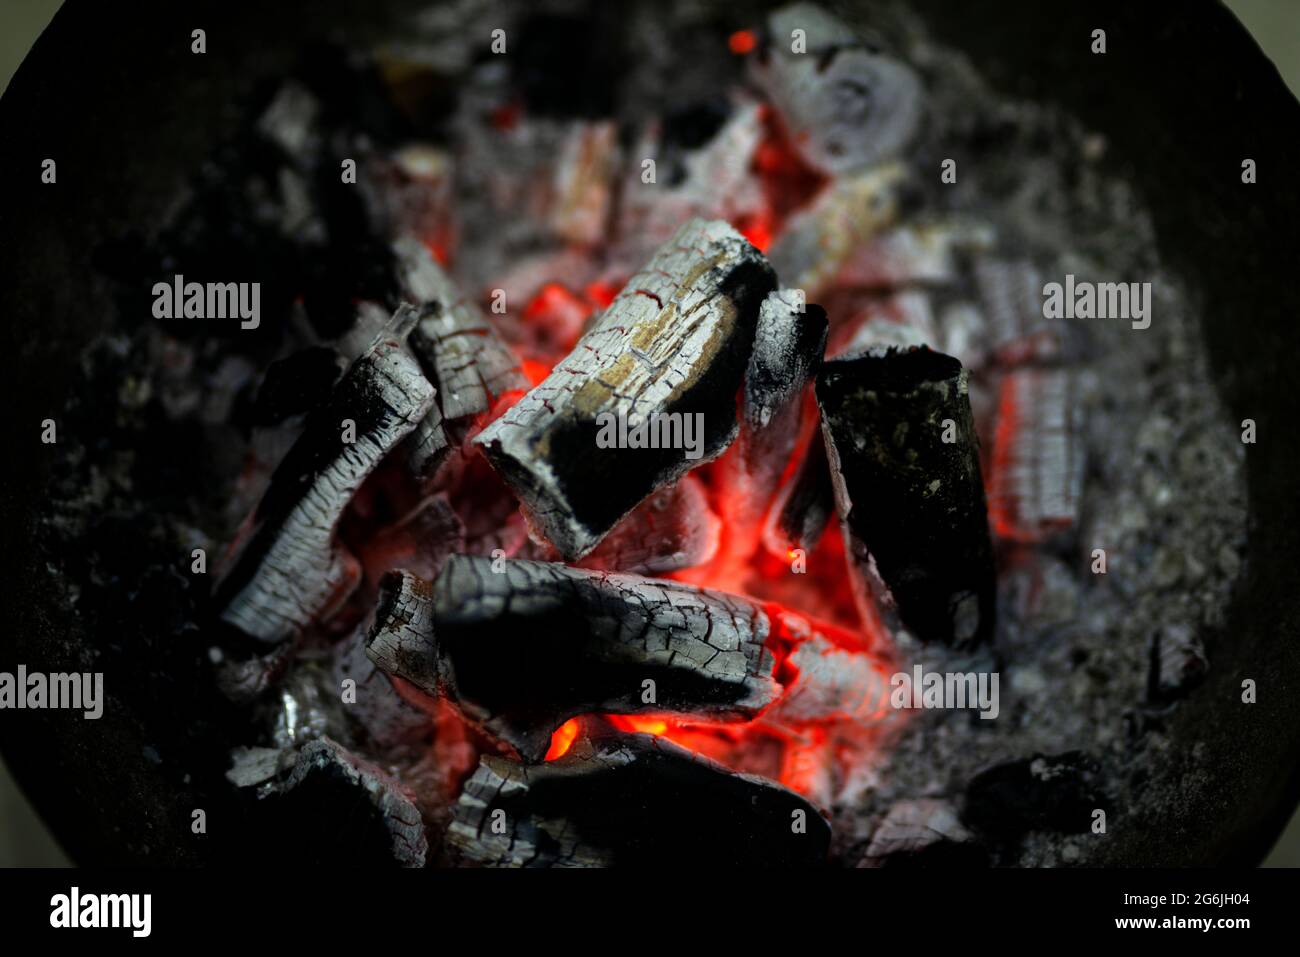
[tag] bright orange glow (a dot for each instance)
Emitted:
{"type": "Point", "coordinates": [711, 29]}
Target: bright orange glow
{"type": "Point", "coordinates": [535, 371]}
{"type": "Point", "coordinates": [551, 298]}
{"type": "Point", "coordinates": [1001, 514]}
{"type": "Point", "coordinates": [563, 739]}
{"type": "Point", "coordinates": [638, 723]}
{"type": "Point", "coordinates": [757, 229]}
{"type": "Point", "coordinates": [742, 42]}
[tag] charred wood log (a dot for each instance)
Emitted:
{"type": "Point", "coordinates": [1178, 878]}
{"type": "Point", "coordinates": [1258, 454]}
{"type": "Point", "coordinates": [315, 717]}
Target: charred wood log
{"type": "Point", "coordinates": [401, 635]}
{"type": "Point", "coordinates": [457, 347]}
{"type": "Point", "coordinates": [714, 179]}
{"type": "Point", "coordinates": [788, 348]}
{"type": "Point", "coordinates": [905, 465]}
{"type": "Point", "coordinates": [670, 350]}
{"type": "Point", "coordinates": [632, 800]}
{"type": "Point", "coordinates": [291, 571]}
{"type": "Point", "coordinates": [582, 642]}
{"type": "Point", "coordinates": [575, 642]}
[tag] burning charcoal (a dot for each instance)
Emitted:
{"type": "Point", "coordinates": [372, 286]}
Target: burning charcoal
{"type": "Point", "coordinates": [300, 714]}
{"type": "Point", "coordinates": [290, 571]}
{"type": "Point", "coordinates": [576, 641]}
{"type": "Point", "coordinates": [1011, 292]}
{"type": "Point", "coordinates": [386, 717]}
{"type": "Point", "coordinates": [674, 528]}
{"type": "Point", "coordinates": [1037, 456]}
{"type": "Point", "coordinates": [420, 541]}
{"type": "Point", "coordinates": [1177, 662]}
{"type": "Point", "coordinates": [843, 106]}
{"type": "Point", "coordinates": [455, 343]}
{"type": "Point", "coordinates": [661, 366]}
{"type": "Point", "coordinates": [803, 508]}
{"type": "Point", "coordinates": [826, 681]}
{"type": "Point", "coordinates": [290, 121]}
{"type": "Point", "coordinates": [709, 655]}
{"type": "Point", "coordinates": [819, 241]}
{"type": "Point", "coordinates": [338, 809]}
{"type": "Point", "coordinates": [912, 503]}
{"type": "Point", "coordinates": [788, 347]}
{"type": "Point", "coordinates": [411, 194]}
{"type": "Point", "coordinates": [372, 320]}
{"type": "Point", "coordinates": [632, 800]}
{"type": "Point", "coordinates": [400, 639]}
{"type": "Point", "coordinates": [922, 832]}
{"type": "Point", "coordinates": [1039, 793]}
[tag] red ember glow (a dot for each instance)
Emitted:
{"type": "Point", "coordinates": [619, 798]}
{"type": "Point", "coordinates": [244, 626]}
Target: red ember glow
{"type": "Point", "coordinates": [742, 42]}
{"type": "Point", "coordinates": [563, 739]}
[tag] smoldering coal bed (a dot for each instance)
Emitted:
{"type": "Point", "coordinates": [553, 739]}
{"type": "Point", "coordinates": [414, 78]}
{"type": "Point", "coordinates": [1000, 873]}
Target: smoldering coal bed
{"type": "Point", "coordinates": [613, 438]}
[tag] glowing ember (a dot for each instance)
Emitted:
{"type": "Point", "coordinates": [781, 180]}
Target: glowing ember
{"type": "Point", "coordinates": [563, 739]}
{"type": "Point", "coordinates": [742, 42]}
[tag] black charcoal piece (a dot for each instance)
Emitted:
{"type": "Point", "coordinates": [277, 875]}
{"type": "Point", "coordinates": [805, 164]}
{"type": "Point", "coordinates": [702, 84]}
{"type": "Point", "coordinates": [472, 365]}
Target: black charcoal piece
{"type": "Point", "coordinates": [632, 800]}
{"type": "Point", "coordinates": [904, 461]}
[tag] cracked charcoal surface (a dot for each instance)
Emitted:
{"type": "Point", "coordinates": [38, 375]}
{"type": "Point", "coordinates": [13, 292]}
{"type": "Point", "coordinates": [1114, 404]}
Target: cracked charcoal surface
{"type": "Point", "coordinates": [453, 339]}
{"type": "Point", "coordinates": [523, 650]}
{"type": "Point", "coordinates": [291, 571]}
{"type": "Point", "coordinates": [676, 339]}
